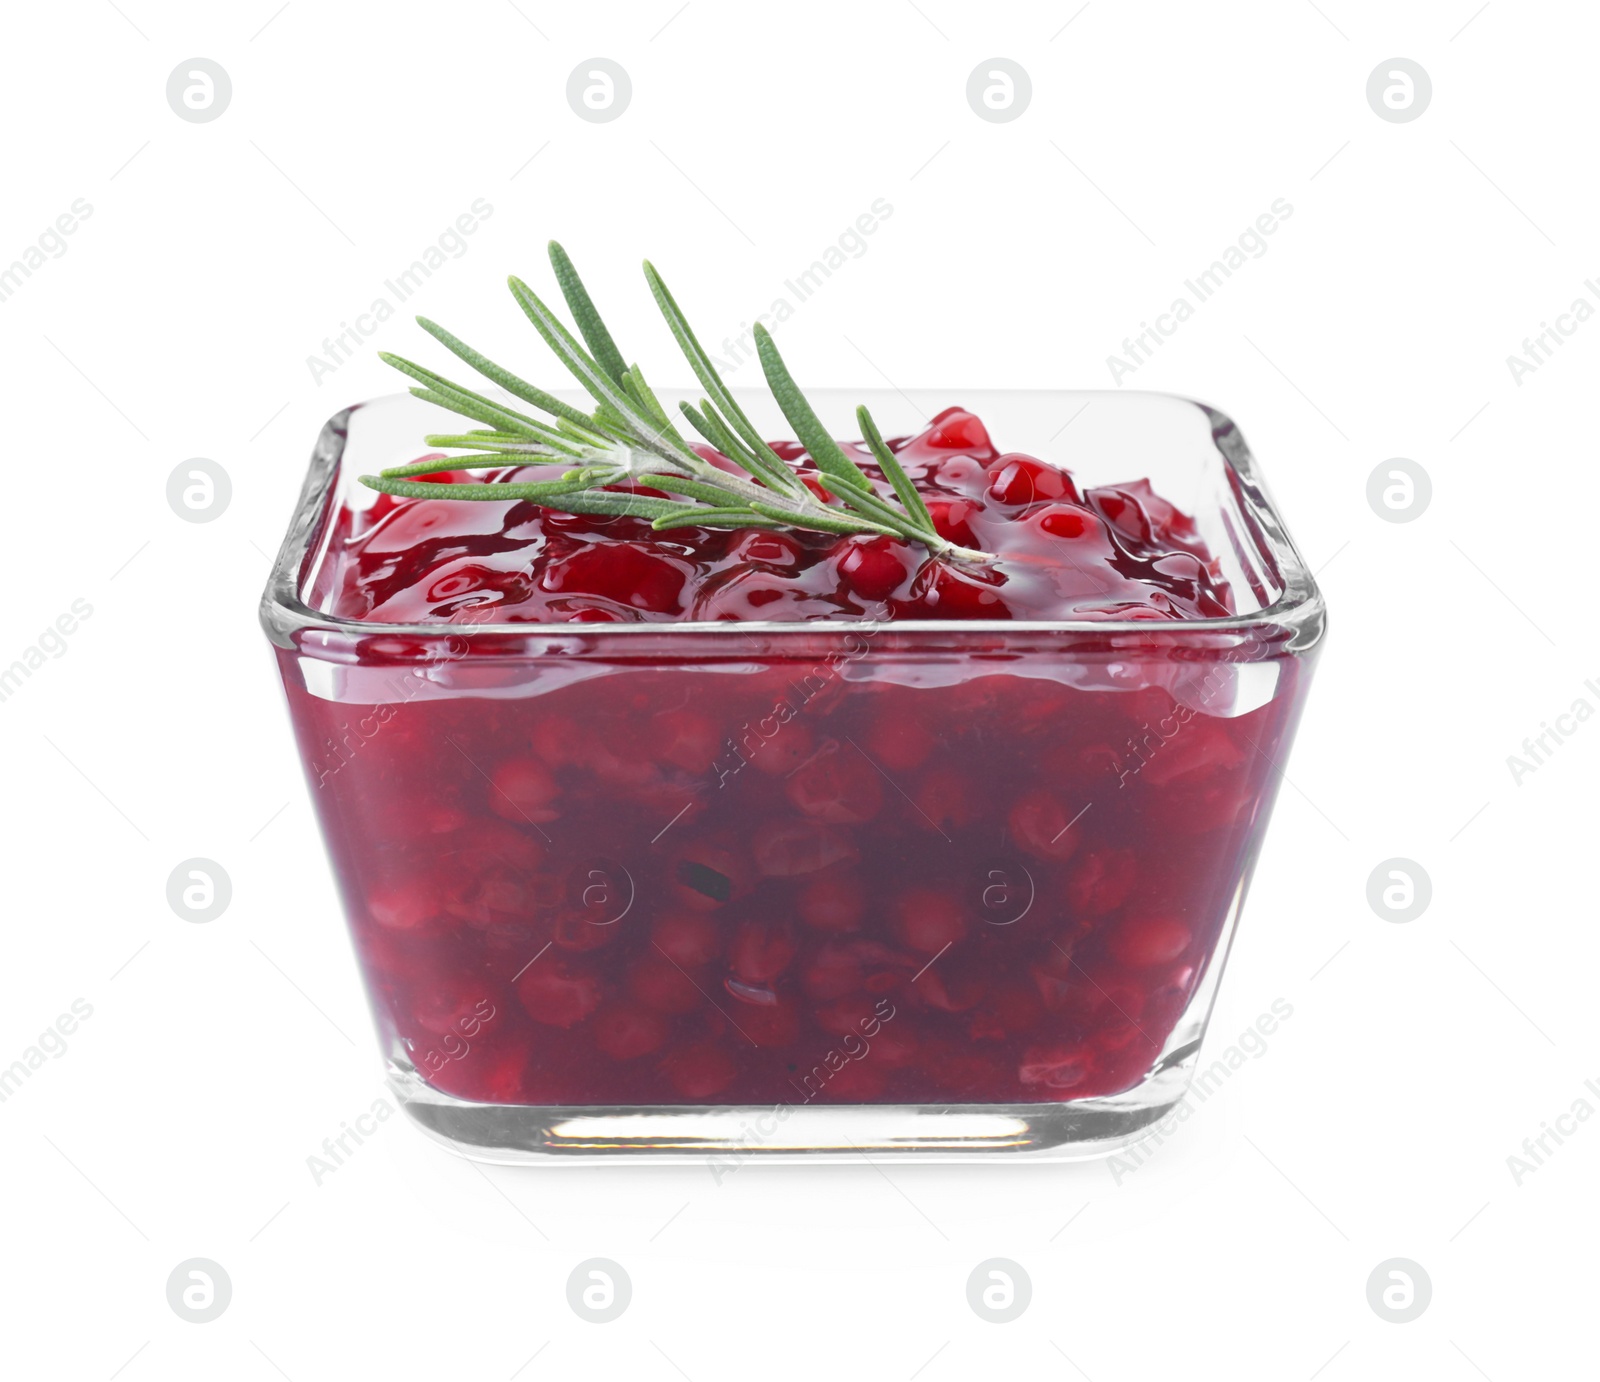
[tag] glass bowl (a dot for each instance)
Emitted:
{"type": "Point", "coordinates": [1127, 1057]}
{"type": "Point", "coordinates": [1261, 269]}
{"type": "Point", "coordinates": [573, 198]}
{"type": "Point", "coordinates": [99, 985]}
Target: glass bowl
{"type": "Point", "coordinates": [947, 889]}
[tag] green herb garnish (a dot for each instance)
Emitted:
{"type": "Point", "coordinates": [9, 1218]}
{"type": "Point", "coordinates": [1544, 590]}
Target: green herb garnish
{"type": "Point", "coordinates": [628, 437]}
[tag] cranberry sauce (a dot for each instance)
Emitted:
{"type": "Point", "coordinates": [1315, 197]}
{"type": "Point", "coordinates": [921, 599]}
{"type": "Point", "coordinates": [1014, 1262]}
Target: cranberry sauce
{"type": "Point", "coordinates": [1113, 553]}
{"type": "Point", "coordinates": [750, 876]}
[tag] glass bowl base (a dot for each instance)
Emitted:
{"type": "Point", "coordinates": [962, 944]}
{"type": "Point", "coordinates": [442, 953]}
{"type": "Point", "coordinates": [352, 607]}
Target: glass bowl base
{"type": "Point", "coordinates": [725, 1136]}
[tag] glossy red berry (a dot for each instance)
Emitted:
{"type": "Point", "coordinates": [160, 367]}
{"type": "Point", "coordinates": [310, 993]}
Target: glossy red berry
{"type": "Point", "coordinates": [764, 547]}
{"type": "Point", "coordinates": [944, 590]}
{"type": "Point", "coordinates": [1018, 480]}
{"type": "Point", "coordinates": [1070, 523]}
{"type": "Point", "coordinates": [952, 520]}
{"type": "Point", "coordinates": [627, 572]}
{"type": "Point", "coordinates": [874, 567]}
{"type": "Point", "coordinates": [955, 429]}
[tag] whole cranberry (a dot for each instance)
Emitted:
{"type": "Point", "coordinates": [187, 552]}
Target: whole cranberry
{"type": "Point", "coordinates": [1018, 480]}
{"type": "Point", "coordinates": [948, 590]}
{"type": "Point", "coordinates": [873, 567]}
{"type": "Point", "coordinates": [955, 429]}
{"type": "Point", "coordinates": [764, 547]}
{"type": "Point", "coordinates": [1070, 522]}
{"type": "Point", "coordinates": [952, 520]}
{"type": "Point", "coordinates": [627, 572]}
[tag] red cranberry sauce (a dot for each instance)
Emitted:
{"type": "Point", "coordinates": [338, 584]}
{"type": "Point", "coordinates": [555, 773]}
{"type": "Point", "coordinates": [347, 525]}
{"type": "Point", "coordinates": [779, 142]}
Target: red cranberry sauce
{"type": "Point", "coordinates": [766, 878]}
{"type": "Point", "coordinates": [1111, 553]}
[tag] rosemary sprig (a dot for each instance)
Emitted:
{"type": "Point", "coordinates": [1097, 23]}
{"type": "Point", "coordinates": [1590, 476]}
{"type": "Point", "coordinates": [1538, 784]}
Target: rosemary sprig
{"type": "Point", "coordinates": [628, 438]}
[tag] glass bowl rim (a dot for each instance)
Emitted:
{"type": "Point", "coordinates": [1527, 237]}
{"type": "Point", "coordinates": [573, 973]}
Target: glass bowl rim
{"type": "Point", "coordinates": [1297, 617]}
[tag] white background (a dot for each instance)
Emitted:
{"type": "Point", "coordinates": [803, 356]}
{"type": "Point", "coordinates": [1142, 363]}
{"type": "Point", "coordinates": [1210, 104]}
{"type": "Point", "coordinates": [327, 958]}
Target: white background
{"type": "Point", "coordinates": [177, 324]}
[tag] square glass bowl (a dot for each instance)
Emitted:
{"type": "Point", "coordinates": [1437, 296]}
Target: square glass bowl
{"type": "Point", "coordinates": [776, 890]}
